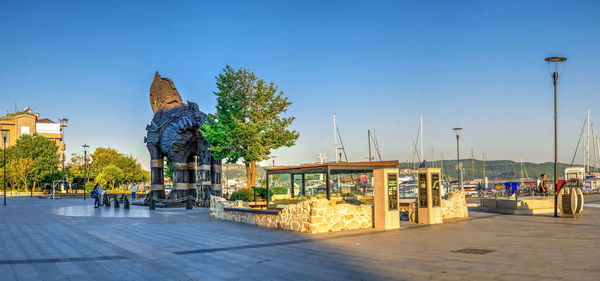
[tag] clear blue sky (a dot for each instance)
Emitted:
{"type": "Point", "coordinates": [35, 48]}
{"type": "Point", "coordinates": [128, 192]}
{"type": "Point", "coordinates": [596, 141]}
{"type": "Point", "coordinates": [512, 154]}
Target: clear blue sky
{"type": "Point", "coordinates": [377, 64]}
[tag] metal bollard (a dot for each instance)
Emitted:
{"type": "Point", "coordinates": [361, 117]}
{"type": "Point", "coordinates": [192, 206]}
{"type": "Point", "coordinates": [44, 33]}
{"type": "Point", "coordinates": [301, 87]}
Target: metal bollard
{"type": "Point", "coordinates": [152, 207]}
{"type": "Point", "coordinates": [188, 204]}
{"type": "Point", "coordinates": [106, 200]}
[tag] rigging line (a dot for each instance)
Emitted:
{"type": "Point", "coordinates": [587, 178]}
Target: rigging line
{"type": "Point", "coordinates": [525, 170]}
{"type": "Point", "coordinates": [578, 142]}
{"type": "Point", "coordinates": [376, 144]}
{"type": "Point", "coordinates": [342, 143]}
{"type": "Point", "coordinates": [415, 151]}
{"type": "Point", "coordinates": [490, 167]}
{"type": "Point", "coordinates": [418, 136]}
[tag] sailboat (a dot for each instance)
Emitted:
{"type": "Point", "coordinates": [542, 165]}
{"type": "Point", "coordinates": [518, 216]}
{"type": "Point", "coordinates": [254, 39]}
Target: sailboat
{"type": "Point", "coordinates": [591, 148]}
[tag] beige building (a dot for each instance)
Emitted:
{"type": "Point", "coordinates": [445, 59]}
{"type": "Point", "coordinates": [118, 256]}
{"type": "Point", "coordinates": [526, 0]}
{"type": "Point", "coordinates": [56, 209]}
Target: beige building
{"type": "Point", "coordinates": [27, 122]}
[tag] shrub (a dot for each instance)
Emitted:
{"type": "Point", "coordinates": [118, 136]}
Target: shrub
{"type": "Point", "coordinates": [262, 192]}
{"type": "Point", "coordinates": [279, 190]}
{"type": "Point", "coordinates": [244, 194]}
{"type": "Point", "coordinates": [89, 187]}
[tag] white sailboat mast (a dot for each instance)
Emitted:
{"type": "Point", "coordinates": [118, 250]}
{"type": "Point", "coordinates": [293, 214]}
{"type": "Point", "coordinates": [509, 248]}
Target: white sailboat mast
{"type": "Point", "coordinates": [587, 147]}
{"type": "Point", "coordinates": [421, 136]}
{"type": "Point", "coordinates": [595, 146]}
{"type": "Point", "coordinates": [335, 142]}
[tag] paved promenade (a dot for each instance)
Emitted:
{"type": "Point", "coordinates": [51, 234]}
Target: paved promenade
{"type": "Point", "coordinates": [70, 240]}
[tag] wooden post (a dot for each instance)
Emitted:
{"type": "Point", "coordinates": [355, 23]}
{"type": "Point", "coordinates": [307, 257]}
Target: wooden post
{"type": "Point", "coordinates": [292, 184]}
{"type": "Point", "coordinates": [327, 188]}
{"type": "Point", "coordinates": [267, 195]}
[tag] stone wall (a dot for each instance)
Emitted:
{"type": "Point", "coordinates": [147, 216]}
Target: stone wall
{"type": "Point", "coordinates": [310, 216]}
{"type": "Point", "coordinates": [453, 207]}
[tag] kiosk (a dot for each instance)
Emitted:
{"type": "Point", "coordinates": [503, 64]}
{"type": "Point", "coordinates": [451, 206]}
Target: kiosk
{"type": "Point", "coordinates": [429, 196]}
{"type": "Point", "coordinates": [386, 213]}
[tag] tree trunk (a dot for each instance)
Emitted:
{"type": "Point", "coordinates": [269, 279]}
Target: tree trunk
{"type": "Point", "coordinates": [250, 174]}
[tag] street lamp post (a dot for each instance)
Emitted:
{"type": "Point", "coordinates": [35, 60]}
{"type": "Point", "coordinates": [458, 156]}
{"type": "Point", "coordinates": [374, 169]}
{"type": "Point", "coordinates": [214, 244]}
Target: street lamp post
{"type": "Point", "coordinates": [4, 139]}
{"type": "Point", "coordinates": [556, 63]}
{"type": "Point", "coordinates": [63, 124]}
{"type": "Point", "coordinates": [458, 168]}
{"type": "Point", "coordinates": [85, 147]}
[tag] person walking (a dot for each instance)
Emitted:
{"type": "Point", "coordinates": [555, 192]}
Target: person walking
{"type": "Point", "coordinates": [133, 190]}
{"type": "Point", "coordinates": [96, 193]}
{"type": "Point", "coordinates": [544, 185]}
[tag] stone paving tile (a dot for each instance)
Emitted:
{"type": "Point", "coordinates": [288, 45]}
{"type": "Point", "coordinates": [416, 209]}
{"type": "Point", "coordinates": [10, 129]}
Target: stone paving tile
{"type": "Point", "coordinates": [49, 272]}
{"type": "Point", "coordinates": [178, 244]}
{"type": "Point", "coordinates": [6, 272]}
{"type": "Point", "coordinates": [25, 272]}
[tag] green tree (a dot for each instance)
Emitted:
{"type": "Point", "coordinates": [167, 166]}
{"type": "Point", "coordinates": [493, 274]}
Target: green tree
{"type": "Point", "coordinates": [168, 168]}
{"type": "Point", "coordinates": [132, 169]}
{"type": "Point", "coordinates": [22, 169]}
{"type": "Point", "coordinates": [76, 166]}
{"type": "Point", "coordinates": [42, 151]}
{"type": "Point", "coordinates": [248, 124]}
{"type": "Point", "coordinates": [102, 157]}
{"type": "Point", "coordinates": [111, 175]}
{"type": "Point", "coordinates": [8, 157]}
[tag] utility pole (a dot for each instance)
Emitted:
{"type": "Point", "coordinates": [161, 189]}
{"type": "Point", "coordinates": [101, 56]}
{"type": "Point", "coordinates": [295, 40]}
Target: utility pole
{"type": "Point", "coordinates": [85, 167]}
{"type": "Point", "coordinates": [4, 140]}
{"type": "Point", "coordinates": [458, 166]}
{"type": "Point", "coordinates": [555, 61]}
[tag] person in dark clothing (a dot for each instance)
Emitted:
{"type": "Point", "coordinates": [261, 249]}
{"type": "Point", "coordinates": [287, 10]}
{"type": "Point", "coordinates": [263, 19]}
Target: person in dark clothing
{"type": "Point", "coordinates": [544, 185]}
{"type": "Point", "coordinates": [96, 193]}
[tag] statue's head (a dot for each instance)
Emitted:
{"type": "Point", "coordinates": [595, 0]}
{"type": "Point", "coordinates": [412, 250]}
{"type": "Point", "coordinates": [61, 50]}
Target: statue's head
{"type": "Point", "coordinates": [163, 94]}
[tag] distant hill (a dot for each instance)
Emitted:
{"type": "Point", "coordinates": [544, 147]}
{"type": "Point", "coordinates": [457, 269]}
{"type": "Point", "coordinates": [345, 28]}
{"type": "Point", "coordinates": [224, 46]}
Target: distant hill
{"type": "Point", "coordinates": [496, 169]}
{"type": "Point", "coordinates": [232, 171]}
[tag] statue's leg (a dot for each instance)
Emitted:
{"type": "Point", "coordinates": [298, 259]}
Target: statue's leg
{"type": "Point", "coordinates": [181, 183]}
{"type": "Point", "coordinates": [216, 171]}
{"type": "Point", "coordinates": [157, 188]}
{"type": "Point", "coordinates": [203, 179]}
{"type": "Point", "coordinates": [192, 176]}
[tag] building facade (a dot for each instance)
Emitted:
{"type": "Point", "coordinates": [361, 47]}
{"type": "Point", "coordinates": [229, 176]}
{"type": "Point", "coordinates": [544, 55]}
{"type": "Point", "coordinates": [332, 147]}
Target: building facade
{"type": "Point", "coordinates": [27, 122]}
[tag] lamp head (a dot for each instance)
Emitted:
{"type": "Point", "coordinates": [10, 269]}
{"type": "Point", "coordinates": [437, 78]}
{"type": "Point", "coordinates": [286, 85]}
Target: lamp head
{"type": "Point", "coordinates": [457, 130]}
{"type": "Point", "coordinates": [4, 134]}
{"type": "Point", "coordinates": [555, 59]}
{"type": "Point", "coordinates": [556, 62]}
{"type": "Point", "coordinates": [63, 122]}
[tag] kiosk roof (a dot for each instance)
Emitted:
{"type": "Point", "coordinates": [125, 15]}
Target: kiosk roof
{"type": "Point", "coordinates": [322, 168]}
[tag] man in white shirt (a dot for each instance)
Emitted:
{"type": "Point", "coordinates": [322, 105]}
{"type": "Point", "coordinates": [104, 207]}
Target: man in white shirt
{"type": "Point", "coordinates": [133, 190]}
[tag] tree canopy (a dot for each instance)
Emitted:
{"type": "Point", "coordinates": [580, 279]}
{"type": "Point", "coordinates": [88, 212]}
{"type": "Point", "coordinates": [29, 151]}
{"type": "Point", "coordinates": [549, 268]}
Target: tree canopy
{"type": "Point", "coordinates": [43, 152]}
{"type": "Point", "coordinates": [21, 170]}
{"type": "Point", "coordinates": [109, 166]}
{"type": "Point", "coordinates": [248, 124]}
{"type": "Point", "coordinates": [111, 175]}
